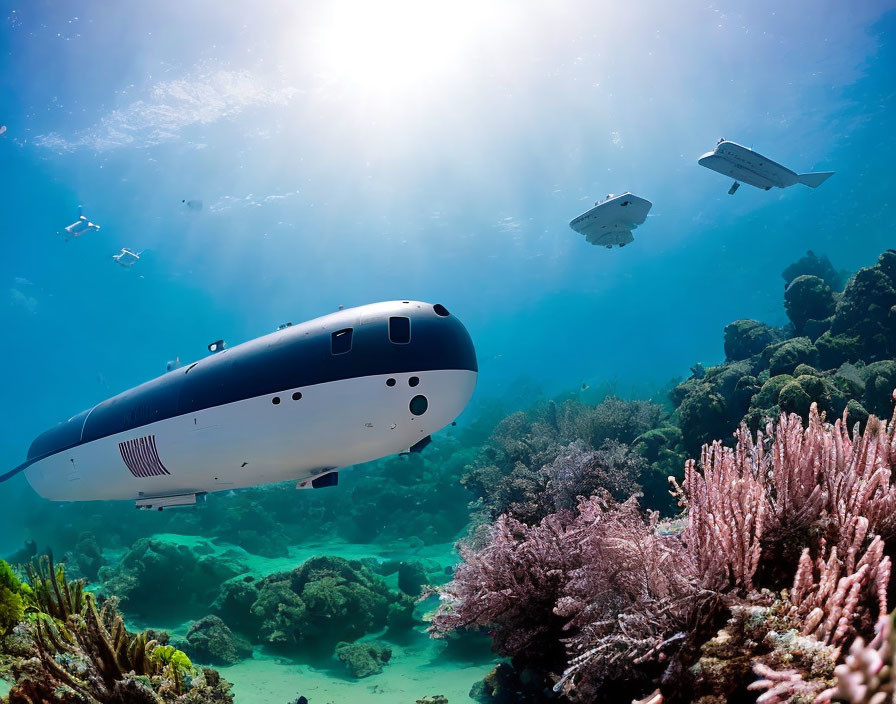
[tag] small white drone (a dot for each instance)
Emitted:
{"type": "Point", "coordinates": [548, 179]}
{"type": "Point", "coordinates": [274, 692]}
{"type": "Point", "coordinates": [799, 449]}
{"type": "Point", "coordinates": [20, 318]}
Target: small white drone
{"type": "Point", "coordinates": [79, 227]}
{"type": "Point", "coordinates": [127, 258]}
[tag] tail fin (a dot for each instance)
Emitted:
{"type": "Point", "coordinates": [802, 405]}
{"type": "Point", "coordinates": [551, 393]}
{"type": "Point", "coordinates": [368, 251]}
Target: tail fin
{"type": "Point", "coordinates": [814, 180]}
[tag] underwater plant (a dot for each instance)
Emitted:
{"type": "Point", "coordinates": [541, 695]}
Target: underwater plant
{"type": "Point", "coordinates": [785, 540]}
{"type": "Point", "coordinates": [70, 650]}
{"type": "Point", "coordinates": [12, 604]}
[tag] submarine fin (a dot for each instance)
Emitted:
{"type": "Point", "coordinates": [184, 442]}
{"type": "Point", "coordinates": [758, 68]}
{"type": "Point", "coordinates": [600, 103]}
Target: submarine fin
{"type": "Point", "coordinates": [733, 189]}
{"type": "Point", "coordinates": [327, 477]}
{"type": "Point", "coordinates": [814, 179]}
{"type": "Point", "coordinates": [324, 480]}
{"type": "Point", "coordinates": [418, 447]}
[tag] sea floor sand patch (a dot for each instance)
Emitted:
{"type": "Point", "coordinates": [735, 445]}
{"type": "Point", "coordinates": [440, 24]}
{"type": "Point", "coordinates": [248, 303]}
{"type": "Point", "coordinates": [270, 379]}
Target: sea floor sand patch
{"type": "Point", "coordinates": [418, 667]}
{"type": "Point", "coordinates": [413, 672]}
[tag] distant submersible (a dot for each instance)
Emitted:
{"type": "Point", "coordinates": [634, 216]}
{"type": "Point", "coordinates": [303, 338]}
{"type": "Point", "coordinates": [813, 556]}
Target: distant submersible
{"type": "Point", "coordinates": [611, 221]}
{"type": "Point", "coordinates": [743, 164]}
{"type": "Point", "coordinates": [298, 404]}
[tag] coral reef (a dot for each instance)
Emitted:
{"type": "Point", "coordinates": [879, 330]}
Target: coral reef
{"type": "Point", "coordinates": [69, 650]}
{"type": "Point", "coordinates": [363, 659]}
{"type": "Point", "coordinates": [837, 350]}
{"type": "Point", "coordinates": [538, 461]}
{"type": "Point", "coordinates": [784, 538]}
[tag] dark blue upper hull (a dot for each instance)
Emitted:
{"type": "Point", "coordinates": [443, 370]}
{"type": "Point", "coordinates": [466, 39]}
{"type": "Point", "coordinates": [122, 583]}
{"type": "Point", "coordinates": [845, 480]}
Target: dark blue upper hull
{"type": "Point", "coordinates": [301, 355]}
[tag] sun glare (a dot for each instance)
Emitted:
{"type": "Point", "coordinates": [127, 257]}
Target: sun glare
{"type": "Point", "coordinates": [390, 47]}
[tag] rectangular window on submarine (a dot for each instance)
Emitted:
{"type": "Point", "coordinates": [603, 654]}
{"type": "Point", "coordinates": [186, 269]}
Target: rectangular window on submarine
{"type": "Point", "coordinates": [341, 341]}
{"type": "Point", "coordinates": [400, 330]}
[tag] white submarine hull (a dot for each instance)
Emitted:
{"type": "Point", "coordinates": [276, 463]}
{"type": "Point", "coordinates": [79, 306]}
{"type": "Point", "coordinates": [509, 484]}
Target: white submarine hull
{"type": "Point", "coordinates": [255, 441]}
{"type": "Point", "coordinates": [298, 404]}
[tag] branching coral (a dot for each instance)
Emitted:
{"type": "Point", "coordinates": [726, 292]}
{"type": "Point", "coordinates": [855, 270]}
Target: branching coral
{"type": "Point", "coordinates": [85, 654]}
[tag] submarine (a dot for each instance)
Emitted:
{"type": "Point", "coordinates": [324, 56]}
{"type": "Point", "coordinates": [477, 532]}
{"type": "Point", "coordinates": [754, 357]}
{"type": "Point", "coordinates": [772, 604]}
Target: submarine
{"type": "Point", "coordinates": [743, 164]}
{"type": "Point", "coordinates": [298, 404]}
{"type": "Point", "coordinates": [611, 221]}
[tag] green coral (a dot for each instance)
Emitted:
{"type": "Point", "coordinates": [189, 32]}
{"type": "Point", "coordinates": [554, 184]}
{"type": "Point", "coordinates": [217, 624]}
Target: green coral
{"type": "Point", "coordinates": [12, 601]}
{"type": "Point", "coordinates": [323, 601]}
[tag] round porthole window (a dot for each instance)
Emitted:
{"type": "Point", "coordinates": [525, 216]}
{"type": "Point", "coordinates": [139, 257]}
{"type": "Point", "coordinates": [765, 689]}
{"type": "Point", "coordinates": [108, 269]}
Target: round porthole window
{"type": "Point", "coordinates": [390, 382]}
{"type": "Point", "coordinates": [275, 400]}
{"type": "Point", "coordinates": [297, 395]}
{"type": "Point", "coordinates": [413, 381]}
{"type": "Point", "coordinates": [418, 405]}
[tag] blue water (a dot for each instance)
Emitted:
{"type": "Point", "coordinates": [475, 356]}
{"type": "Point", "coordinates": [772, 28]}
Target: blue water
{"type": "Point", "coordinates": [347, 153]}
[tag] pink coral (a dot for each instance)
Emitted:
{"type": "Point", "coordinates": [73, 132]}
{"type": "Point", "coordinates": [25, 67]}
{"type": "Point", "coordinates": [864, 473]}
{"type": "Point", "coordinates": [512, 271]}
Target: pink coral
{"type": "Point", "coordinates": [623, 594]}
{"type": "Point", "coordinates": [867, 675]}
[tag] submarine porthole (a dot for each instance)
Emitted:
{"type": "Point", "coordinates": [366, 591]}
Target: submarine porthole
{"type": "Point", "coordinates": [399, 330]}
{"type": "Point", "coordinates": [418, 405]}
{"type": "Point", "coordinates": [441, 310]}
{"type": "Point", "coordinates": [296, 395]}
{"type": "Point", "coordinates": [413, 381]}
{"type": "Point", "coordinates": [275, 400]}
{"type": "Point", "coordinates": [390, 382]}
{"type": "Point", "coordinates": [341, 341]}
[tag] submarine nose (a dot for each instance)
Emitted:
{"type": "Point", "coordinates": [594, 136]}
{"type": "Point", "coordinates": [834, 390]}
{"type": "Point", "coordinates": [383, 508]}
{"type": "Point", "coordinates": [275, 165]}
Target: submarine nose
{"type": "Point", "coordinates": [445, 341]}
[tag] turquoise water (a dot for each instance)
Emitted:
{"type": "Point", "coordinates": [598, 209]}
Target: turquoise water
{"type": "Point", "coordinates": [349, 153]}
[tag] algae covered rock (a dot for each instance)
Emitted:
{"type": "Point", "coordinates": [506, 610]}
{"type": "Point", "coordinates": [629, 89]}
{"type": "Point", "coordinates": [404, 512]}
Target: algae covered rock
{"type": "Point", "coordinates": [745, 338]}
{"type": "Point", "coordinates": [363, 659]}
{"type": "Point", "coordinates": [401, 614]}
{"type": "Point", "coordinates": [157, 577]}
{"type": "Point", "coordinates": [867, 309]}
{"type": "Point", "coordinates": [663, 448]}
{"type": "Point", "coordinates": [818, 266]}
{"type": "Point", "coordinates": [785, 357]}
{"type": "Point", "coordinates": [321, 602]}
{"type": "Point", "coordinates": [702, 417]}
{"type": "Point", "coordinates": [212, 642]}
{"type": "Point", "coordinates": [234, 603]}
{"type": "Point", "coordinates": [835, 350]}
{"type": "Point", "coordinates": [411, 577]}
{"type": "Point", "coordinates": [808, 298]}
{"type": "Point", "coordinates": [880, 380]}
{"type": "Point", "coordinates": [88, 556]}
